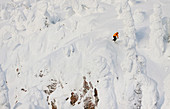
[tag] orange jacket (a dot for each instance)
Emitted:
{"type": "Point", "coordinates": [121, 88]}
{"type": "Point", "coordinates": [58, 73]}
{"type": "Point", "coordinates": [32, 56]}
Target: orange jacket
{"type": "Point", "coordinates": [116, 35]}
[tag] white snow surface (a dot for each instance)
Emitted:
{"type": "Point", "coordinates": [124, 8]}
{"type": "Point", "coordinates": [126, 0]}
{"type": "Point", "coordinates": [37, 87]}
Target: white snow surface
{"type": "Point", "coordinates": [59, 54]}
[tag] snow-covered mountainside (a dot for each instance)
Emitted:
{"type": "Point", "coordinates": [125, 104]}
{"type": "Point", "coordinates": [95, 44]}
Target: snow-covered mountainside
{"type": "Point", "coordinates": [59, 54]}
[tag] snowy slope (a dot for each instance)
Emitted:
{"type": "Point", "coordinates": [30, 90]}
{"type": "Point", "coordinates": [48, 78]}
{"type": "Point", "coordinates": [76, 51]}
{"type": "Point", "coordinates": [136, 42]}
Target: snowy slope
{"type": "Point", "coordinates": [59, 54]}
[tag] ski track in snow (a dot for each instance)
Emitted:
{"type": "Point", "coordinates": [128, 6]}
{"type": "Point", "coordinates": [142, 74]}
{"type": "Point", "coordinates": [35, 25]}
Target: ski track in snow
{"type": "Point", "coordinates": [59, 54]}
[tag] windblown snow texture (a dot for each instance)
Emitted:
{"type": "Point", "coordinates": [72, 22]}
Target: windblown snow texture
{"type": "Point", "coordinates": [59, 54]}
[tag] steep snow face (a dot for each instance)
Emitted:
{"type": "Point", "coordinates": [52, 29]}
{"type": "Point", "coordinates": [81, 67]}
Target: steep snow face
{"type": "Point", "coordinates": [69, 65]}
{"type": "Point", "coordinates": [59, 54]}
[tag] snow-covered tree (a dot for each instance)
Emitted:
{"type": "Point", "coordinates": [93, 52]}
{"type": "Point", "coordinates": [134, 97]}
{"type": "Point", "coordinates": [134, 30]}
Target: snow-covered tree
{"type": "Point", "coordinates": [157, 34]}
{"type": "Point", "coordinates": [166, 23]}
{"type": "Point", "coordinates": [136, 83]}
{"type": "Point", "coordinates": [128, 21]}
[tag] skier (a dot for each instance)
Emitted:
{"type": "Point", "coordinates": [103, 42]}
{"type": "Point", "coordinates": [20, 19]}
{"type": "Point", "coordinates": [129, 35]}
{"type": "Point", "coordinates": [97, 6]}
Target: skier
{"type": "Point", "coordinates": [115, 36]}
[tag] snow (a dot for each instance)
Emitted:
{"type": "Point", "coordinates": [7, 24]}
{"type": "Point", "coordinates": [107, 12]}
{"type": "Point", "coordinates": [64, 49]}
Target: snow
{"type": "Point", "coordinates": [4, 101]}
{"type": "Point", "coordinates": [59, 54]}
{"type": "Point", "coordinates": [138, 16]}
{"type": "Point", "coordinates": [167, 94]}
